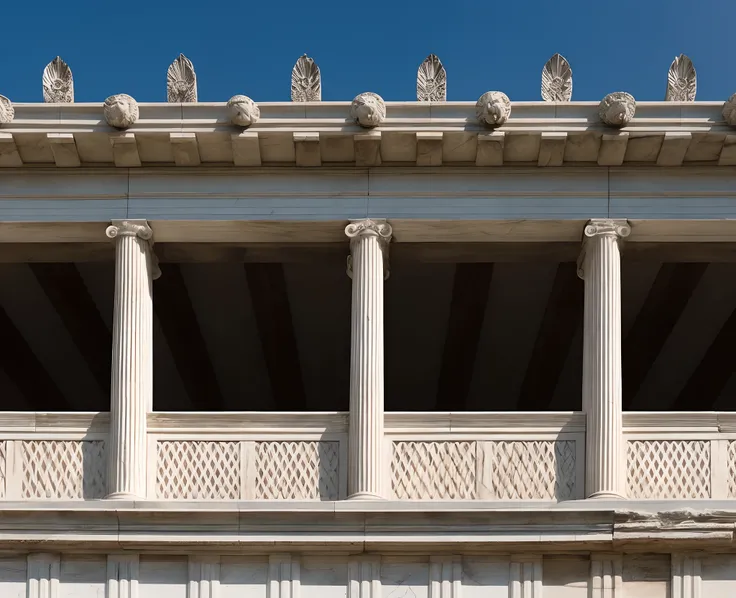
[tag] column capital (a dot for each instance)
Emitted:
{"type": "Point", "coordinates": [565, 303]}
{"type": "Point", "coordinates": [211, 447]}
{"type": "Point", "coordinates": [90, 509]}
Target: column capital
{"type": "Point", "coordinates": [139, 229]}
{"type": "Point", "coordinates": [129, 228]}
{"type": "Point", "coordinates": [606, 226]}
{"type": "Point", "coordinates": [370, 227]}
{"type": "Point", "coordinates": [601, 228]}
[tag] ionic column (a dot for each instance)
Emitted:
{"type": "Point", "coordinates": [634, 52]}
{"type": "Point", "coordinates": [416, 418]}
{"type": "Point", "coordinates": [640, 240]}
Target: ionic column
{"type": "Point", "coordinates": [600, 267]}
{"type": "Point", "coordinates": [368, 267]}
{"type": "Point", "coordinates": [131, 392]}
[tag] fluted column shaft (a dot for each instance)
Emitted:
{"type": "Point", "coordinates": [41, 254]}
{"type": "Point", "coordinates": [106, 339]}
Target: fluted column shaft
{"type": "Point", "coordinates": [600, 268]}
{"type": "Point", "coordinates": [367, 266]}
{"type": "Point", "coordinates": [131, 392]}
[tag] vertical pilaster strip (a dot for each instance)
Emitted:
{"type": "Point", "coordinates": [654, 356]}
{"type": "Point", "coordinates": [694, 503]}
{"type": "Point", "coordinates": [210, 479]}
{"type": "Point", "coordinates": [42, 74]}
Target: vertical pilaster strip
{"type": "Point", "coordinates": [605, 576]}
{"type": "Point", "coordinates": [122, 576]}
{"type": "Point", "coordinates": [686, 576]}
{"type": "Point", "coordinates": [600, 268]}
{"type": "Point", "coordinates": [525, 577]}
{"type": "Point", "coordinates": [284, 576]}
{"type": "Point", "coordinates": [248, 470]}
{"type": "Point", "coordinates": [364, 577]}
{"type": "Point", "coordinates": [719, 469]}
{"type": "Point", "coordinates": [204, 577]}
{"type": "Point", "coordinates": [43, 576]}
{"type": "Point", "coordinates": [445, 577]}
{"type": "Point", "coordinates": [367, 266]}
{"type": "Point", "coordinates": [131, 394]}
{"type": "Point", "coordinates": [14, 470]}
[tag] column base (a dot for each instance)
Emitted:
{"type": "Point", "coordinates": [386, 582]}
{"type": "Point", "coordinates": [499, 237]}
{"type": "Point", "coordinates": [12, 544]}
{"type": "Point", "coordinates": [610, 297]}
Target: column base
{"type": "Point", "coordinates": [605, 495]}
{"type": "Point", "coordinates": [123, 496]}
{"type": "Point", "coordinates": [365, 496]}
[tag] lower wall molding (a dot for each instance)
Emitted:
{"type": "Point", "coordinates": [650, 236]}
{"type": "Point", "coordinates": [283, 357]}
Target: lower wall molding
{"type": "Point", "coordinates": [301, 575]}
{"type": "Point", "coordinates": [686, 576]}
{"type": "Point", "coordinates": [606, 576]}
{"type": "Point", "coordinates": [122, 576]}
{"type": "Point", "coordinates": [43, 576]}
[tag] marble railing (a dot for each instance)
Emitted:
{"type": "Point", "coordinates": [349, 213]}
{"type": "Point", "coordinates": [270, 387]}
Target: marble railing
{"type": "Point", "coordinates": [671, 455]}
{"type": "Point", "coordinates": [485, 456]}
{"type": "Point", "coordinates": [248, 456]}
{"type": "Point", "coordinates": [427, 456]}
{"type": "Point", "coordinates": [53, 456]}
{"type": "Point", "coordinates": [191, 456]}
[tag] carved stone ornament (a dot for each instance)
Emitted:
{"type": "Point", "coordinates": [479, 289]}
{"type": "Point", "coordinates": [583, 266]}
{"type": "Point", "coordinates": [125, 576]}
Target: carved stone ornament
{"type": "Point", "coordinates": [181, 81]}
{"type": "Point", "coordinates": [605, 226]}
{"type": "Point", "coordinates": [729, 111]}
{"type": "Point", "coordinates": [121, 111]}
{"type": "Point", "coordinates": [681, 80]}
{"type": "Point", "coordinates": [617, 109]}
{"type": "Point", "coordinates": [306, 81]}
{"type": "Point", "coordinates": [140, 229]}
{"type": "Point", "coordinates": [596, 227]}
{"type": "Point", "coordinates": [493, 108]}
{"type": "Point", "coordinates": [244, 112]}
{"type": "Point", "coordinates": [368, 110]}
{"type": "Point", "coordinates": [58, 83]}
{"type": "Point", "coordinates": [128, 228]}
{"type": "Point", "coordinates": [377, 228]}
{"type": "Point", "coordinates": [6, 111]}
{"type": "Point", "coordinates": [431, 80]}
{"type": "Point", "coordinates": [557, 80]}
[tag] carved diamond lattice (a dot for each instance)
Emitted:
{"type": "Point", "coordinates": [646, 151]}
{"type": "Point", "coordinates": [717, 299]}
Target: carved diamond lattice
{"type": "Point", "coordinates": [3, 467]}
{"type": "Point", "coordinates": [64, 469]}
{"type": "Point", "coordinates": [197, 470]}
{"type": "Point", "coordinates": [668, 468]}
{"type": "Point", "coordinates": [532, 470]}
{"type": "Point", "coordinates": [297, 470]}
{"type": "Point", "coordinates": [732, 469]}
{"type": "Point", "coordinates": [433, 470]}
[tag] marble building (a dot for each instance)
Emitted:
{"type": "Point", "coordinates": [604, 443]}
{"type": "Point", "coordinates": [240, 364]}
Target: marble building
{"type": "Point", "coordinates": [368, 349]}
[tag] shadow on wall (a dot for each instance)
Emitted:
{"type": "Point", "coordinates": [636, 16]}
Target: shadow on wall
{"type": "Point", "coordinates": [567, 485]}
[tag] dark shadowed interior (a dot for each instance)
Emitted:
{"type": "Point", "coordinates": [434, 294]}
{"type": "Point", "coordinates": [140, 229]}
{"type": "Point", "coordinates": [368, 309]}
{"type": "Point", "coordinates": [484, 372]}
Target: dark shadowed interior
{"type": "Point", "coordinates": [267, 328]}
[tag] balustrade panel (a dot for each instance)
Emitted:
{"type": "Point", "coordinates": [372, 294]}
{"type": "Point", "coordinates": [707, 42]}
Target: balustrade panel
{"type": "Point", "coordinates": [673, 455]}
{"type": "Point", "coordinates": [485, 456]}
{"type": "Point", "coordinates": [53, 456]}
{"type": "Point", "coordinates": [248, 456]}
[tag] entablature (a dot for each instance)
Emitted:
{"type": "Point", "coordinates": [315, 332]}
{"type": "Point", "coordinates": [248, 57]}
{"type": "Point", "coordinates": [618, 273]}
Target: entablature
{"type": "Point", "coordinates": [434, 205]}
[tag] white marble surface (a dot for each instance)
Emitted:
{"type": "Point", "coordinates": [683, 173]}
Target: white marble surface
{"type": "Point", "coordinates": [402, 578]}
{"type": "Point", "coordinates": [13, 578]}
{"type": "Point", "coordinates": [82, 577]}
{"type": "Point", "coordinates": [485, 578]}
{"type": "Point", "coordinates": [642, 575]}
{"type": "Point", "coordinates": [163, 577]}
{"type": "Point", "coordinates": [324, 577]}
{"type": "Point", "coordinates": [647, 576]}
{"type": "Point", "coordinates": [242, 576]}
{"type": "Point", "coordinates": [565, 576]}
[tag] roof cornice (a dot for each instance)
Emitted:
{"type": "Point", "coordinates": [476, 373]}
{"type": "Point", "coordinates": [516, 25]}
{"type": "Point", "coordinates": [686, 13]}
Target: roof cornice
{"type": "Point", "coordinates": [323, 133]}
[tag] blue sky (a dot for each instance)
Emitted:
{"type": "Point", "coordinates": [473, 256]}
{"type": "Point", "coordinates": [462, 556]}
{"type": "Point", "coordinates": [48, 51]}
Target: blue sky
{"type": "Point", "coordinates": [250, 47]}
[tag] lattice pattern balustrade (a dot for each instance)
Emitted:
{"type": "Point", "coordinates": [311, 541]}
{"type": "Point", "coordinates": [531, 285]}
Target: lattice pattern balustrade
{"type": "Point", "coordinates": [297, 470]}
{"type": "Point", "coordinates": [731, 469]}
{"type": "Point", "coordinates": [63, 469]}
{"type": "Point", "coordinates": [3, 467]}
{"type": "Point", "coordinates": [531, 470]}
{"type": "Point", "coordinates": [434, 470]}
{"type": "Point", "coordinates": [198, 470]}
{"type": "Point", "coordinates": [669, 469]}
